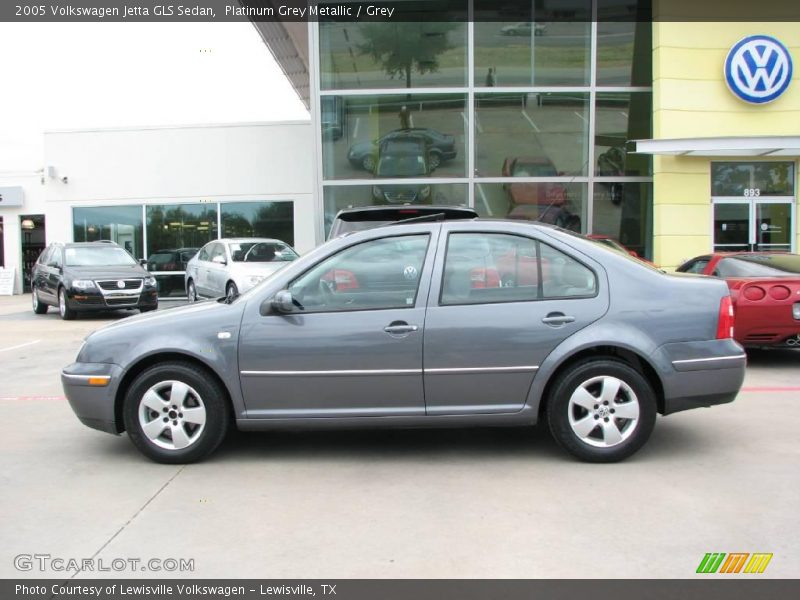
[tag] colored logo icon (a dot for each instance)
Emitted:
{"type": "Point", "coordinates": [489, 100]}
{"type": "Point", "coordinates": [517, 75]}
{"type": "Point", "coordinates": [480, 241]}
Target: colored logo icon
{"type": "Point", "coordinates": [734, 562]}
{"type": "Point", "coordinates": [758, 69]}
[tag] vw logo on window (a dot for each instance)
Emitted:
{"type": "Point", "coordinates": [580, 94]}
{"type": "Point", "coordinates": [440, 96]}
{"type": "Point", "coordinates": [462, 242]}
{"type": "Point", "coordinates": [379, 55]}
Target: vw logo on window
{"type": "Point", "coordinates": [758, 69]}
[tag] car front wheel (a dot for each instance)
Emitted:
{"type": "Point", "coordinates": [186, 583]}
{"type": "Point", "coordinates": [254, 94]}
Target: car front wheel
{"type": "Point", "coordinates": [176, 413]}
{"type": "Point", "coordinates": [601, 410]}
{"type": "Point", "coordinates": [39, 307]}
{"type": "Point", "coordinates": [191, 291]}
{"type": "Point", "coordinates": [63, 308]}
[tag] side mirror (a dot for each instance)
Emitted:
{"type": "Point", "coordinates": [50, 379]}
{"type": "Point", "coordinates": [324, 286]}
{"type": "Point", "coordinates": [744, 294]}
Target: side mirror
{"type": "Point", "coordinates": [142, 261]}
{"type": "Point", "coordinates": [220, 260]}
{"type": "Point", "coordinates": [283, 302]}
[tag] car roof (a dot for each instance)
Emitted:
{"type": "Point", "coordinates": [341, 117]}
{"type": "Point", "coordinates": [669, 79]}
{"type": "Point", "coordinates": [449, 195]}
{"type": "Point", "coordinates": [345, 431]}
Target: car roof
{"type": "Point", "coordinates": [248, 239]}
{"type": "Point", "coordinates": [99, 243]}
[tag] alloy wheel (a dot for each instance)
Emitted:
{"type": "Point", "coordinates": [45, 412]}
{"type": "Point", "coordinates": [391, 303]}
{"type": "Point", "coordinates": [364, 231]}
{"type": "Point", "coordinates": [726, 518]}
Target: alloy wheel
{"type": "Point", "coordinates": [172, 415]}
{"type": "Point", "coordinates": [603, 411]}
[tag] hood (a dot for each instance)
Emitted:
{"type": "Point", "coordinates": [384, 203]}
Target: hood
{"type": "Point", "coordinates": [255, 268]}
{"type": "Point", "coordinates": [101, 272]}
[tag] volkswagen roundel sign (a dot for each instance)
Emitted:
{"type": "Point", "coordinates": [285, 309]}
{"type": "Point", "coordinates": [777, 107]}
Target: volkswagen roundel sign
{"type": "Point", "coordinates": [758, 69]}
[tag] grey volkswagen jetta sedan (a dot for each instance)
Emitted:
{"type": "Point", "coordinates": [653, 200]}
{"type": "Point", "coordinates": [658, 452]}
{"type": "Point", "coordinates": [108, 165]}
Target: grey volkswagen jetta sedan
{"type": "Point", "coordinates": [454, 323]}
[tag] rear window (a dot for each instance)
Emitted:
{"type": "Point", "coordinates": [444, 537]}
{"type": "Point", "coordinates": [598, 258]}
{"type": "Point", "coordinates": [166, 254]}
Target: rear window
{"type": "Point", "coordinates": [349, 222]}
{"type": "Point", "coordinates": [760, 265]}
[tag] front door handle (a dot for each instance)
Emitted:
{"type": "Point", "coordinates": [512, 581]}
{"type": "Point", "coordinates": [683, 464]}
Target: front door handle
{"type": "Point", "coordinates": [399, 328]}
{"type": "Point", "coordinates": [557, 319]}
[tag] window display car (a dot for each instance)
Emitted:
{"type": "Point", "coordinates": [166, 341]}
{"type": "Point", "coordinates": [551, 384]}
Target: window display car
{"type": "Point", "coordinates": [230, 266]}
{"type": "Point", "coordinates": [591, 341]}
{"type": "Point", "coordinates": [406, 158]}
{"type": "Point", "coordinates": [440, 146]}
{"type": "Point", "coordinates": [89, 277]}
{"type": "Point", "coordinates": [765, 288]}
{"type": "Point", "coordinates": [170, 260]}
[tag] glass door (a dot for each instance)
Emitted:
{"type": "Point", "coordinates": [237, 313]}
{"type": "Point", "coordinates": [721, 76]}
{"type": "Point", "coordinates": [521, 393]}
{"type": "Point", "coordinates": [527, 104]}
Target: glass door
{"type": "Point", "coordinates": [753, 206]}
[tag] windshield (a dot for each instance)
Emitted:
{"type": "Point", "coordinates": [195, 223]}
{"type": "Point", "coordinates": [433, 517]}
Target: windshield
{"type": "Point", "coordinates": [261, 252]}
{"type": "Point", "coordinates": [533, 170]}
{"type": "Point", "coordinates": [98, 256]}
{"type": "Point", "coordinates": [760, 265]}
{"type": "Point", "coordinates": [401, 166]}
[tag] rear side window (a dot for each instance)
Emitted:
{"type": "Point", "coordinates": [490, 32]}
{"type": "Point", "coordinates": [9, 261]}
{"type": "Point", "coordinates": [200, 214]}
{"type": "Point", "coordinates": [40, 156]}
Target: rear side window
{"type": "Point", "coordinates": [495, 267]}
{"type": "Point", "coordinates": [203, 254]}
{"type": "Point", "coordinates": [44, 257]}
{"type": "Point", "coordinates": [695, 266]}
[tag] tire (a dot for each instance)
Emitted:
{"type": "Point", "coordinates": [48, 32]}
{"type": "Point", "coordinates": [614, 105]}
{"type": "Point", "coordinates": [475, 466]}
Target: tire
{"type": "Point", "coordinates": [191, 292]}
{"type": "Point", "coordinates": [148, 309]}
{"type": "Point", "coordinates": [368, 163]}
{"type": "Point", "coordinates": [148, 401]}
{"type": "Point", "coordinates": [434, 160]}
{"type": "Point", "coordinates": [64, 310]}
{"type": "Point", "coordinates": [39, 307]}
{"type": "Point", "coordinates": [583, 423]}
{"type": "Point", "coordinates": [231, 291]}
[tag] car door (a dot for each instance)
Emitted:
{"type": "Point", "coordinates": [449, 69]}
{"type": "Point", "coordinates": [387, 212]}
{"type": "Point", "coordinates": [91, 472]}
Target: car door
{"type": "Point", "coordinates": [55, 272]}
{"type": "Point", "coordinates": [353, 347]}
{"type": "Point", "coordinates": [500, 303]}
{"type": "Point", "coordinates": [39, 273]}
{"type": "Point", "coordinates": [203, 270]}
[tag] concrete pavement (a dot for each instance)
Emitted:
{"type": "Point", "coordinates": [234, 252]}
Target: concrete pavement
{"type": "Point", "coordinates": [455, 503]}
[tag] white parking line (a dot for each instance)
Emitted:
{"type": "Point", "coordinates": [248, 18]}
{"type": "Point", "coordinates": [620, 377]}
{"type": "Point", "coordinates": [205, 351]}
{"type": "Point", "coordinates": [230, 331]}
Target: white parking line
{"type": "Point", "coordinates": [623, 113]}
{"type": "Point", "coordinates": [20, 345]}
{"type": "Point", "coordinates": [463, 116]}
{"type": "Point", "coordinates": [478, 124]}
{"type": "Point", "coordinates": [485, 202]}
{"type": "Point", "coordinates": [355, 127]}
{"type": "Point", "coordinates": [528, 118]}
{"type": "Point", "coordinates": [580, 116]}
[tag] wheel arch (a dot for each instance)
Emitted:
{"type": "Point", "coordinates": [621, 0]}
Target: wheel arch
{"type": "Point", "coordinates": [607, 351]}
{"type": "Point", "coordinates": [151, 360]}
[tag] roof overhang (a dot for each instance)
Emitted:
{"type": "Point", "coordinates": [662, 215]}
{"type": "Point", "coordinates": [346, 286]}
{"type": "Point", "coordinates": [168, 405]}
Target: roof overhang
{"type": "Point", "coordinates": [723, 146]}
{"type": "Point", "coordinates": [288, 43]}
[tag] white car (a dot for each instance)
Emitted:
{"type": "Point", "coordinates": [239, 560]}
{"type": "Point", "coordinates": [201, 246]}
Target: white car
{"type": "Point", "coordinates": [231, 266]}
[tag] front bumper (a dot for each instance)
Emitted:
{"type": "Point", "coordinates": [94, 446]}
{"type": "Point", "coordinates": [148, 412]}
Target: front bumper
{"type": "Point", "coordinates": [92, 402]}
{"type": "Point", "coordinates": [702, 373]}
{"type": "Point", "coordinates": [91, 299]}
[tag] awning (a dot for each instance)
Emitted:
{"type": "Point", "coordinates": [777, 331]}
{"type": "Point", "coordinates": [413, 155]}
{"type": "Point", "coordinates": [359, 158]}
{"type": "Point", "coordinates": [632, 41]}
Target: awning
{"type": "Point", "coordinates": [777, 145]}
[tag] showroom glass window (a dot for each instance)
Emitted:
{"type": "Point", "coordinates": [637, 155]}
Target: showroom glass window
{"type": "Point", "coordinates": [258, 219]}
{"type": "Point", "coordinates": [177, 226]}
{"type": "Point", "coordinates": [120, 224]}
{"type": "Point", "coordinates": [538, 130]}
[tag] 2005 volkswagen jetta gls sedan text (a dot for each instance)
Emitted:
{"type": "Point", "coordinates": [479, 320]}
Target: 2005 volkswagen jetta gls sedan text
{"type": "Point", "coordinates": [452, 323]}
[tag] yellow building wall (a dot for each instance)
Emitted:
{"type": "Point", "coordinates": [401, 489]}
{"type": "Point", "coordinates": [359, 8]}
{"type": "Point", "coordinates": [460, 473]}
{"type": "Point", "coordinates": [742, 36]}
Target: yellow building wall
{"type": "Point", "coordinates": [691, 99]}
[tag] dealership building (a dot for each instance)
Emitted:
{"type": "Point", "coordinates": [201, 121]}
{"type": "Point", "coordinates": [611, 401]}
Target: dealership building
{"type": "Point", "coordinates": [675, 138]}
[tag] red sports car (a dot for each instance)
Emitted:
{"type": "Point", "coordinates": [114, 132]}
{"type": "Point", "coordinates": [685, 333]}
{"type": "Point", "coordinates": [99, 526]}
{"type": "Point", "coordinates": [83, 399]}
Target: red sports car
{"type": "Point", "coordinates": [765, 288]}
{"type": "Point", "coordinates": [609, 241]}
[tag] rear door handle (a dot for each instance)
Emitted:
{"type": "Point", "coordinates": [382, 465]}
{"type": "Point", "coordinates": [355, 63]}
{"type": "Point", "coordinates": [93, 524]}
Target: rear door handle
{"type": "Point", "coordinates": [557, 319]}
{"type": "Point", "coordinates": [399, 328]}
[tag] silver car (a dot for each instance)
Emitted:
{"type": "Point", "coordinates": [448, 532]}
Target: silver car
{"type": "Point", "coordinates": [231, 266]}
{"type": "Point", "coordinates": [453, 323]}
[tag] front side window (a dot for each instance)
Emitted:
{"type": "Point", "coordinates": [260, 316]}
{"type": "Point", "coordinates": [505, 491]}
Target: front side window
{"type": "Point", "coordinates": [495, 267]}
{"type": "Point", "coordinates": [379, 274]}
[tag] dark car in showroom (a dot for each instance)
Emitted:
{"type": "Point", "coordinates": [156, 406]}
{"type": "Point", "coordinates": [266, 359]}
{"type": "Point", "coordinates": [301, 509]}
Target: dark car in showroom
{"type": "Point", "coordinates": [765, 288]}
{"type": "Point", "coordinates": [406, 158]}
{"type": "Point", "coordinates": [570, 333]}
{"type": "Point", "coordinates": [90, 277]}
{"type": "Point", "coordinates": [164, 263]}
{"type": "Point", "coordinates": [441, 147]}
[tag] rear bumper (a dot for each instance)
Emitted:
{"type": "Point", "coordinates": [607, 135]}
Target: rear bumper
{"type": "Point", "coordinates": [93, 404]}
{"type": "Point", "coordinates": [702, 374]}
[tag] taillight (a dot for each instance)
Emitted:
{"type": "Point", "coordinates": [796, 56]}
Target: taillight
{"type": "Point", "coordinates": [725, 322]}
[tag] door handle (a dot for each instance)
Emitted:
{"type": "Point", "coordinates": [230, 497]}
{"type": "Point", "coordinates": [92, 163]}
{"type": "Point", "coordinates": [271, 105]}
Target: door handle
{"type": "Point", "coordinates": [557, 319]}
{"type": "Point", "coordinates": [399, 328]}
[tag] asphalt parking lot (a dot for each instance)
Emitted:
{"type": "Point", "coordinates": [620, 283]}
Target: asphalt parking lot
{"type": "Point", "coordinates": [438, 504]}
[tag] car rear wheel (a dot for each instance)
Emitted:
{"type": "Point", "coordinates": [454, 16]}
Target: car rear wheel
{"type": "Point", "coordinates": [176, 413]}
{"type": "Point", "coordinates": [601, 410]}
{"type": "Point", "coordinates": [191, 291]}
{"type": "Point", "coordinates": [63, 308]}
{"type": "Point", "coordinates": [39, 307]}
{"type": "Point", "coordinates": [434, 160]}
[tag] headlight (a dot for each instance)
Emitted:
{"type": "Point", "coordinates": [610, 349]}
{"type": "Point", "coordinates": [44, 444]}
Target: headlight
{"type": "Point", "coordinates": [376, 192]}
{"type": "Point", "coordinates": [83, 284]}
{"type": "Point", "coordinates": [255, 279]}
{"type": "Point", "coordinates": [150, 281]}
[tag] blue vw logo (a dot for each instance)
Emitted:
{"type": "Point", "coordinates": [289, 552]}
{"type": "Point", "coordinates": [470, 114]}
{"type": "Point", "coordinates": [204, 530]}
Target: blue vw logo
{"type": "Point", "coordinates": [758, 69]}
